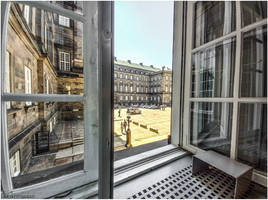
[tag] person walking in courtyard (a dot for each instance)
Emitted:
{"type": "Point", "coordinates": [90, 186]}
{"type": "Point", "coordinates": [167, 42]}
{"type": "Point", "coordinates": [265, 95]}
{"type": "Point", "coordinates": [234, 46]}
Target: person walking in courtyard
{"type": "Point", "coordinates": [122, 128]}
{"type": "Point", "coordinates": [125, 125]}
{"type": "Point", "coordinates": [119, 111]}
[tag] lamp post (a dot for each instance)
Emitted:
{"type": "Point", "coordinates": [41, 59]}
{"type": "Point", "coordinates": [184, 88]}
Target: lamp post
{"type": "Point", "coordinates": [128, 144]}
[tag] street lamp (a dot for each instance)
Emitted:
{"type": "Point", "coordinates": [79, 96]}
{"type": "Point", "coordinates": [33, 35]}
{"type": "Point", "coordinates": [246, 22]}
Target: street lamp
{"type": "Point", "coordinates": [128, 144]}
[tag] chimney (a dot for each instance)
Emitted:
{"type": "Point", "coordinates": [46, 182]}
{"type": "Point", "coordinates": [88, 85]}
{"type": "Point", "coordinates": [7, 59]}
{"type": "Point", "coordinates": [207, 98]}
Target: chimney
{"type": "Point", "coordinates": [141, 64]}
{"type": "Point", "coordinates": [151, 66]}
{"type": "Point", "coordinates": [163, 68]}
{"type": "Point", "coordinates": [129, 61]}
{"type": "Point", "coordinates": [115, 58]}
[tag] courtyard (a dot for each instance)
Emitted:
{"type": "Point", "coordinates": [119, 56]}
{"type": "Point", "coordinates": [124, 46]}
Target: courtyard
{"type": "Point", "coordinates": [150, 126]}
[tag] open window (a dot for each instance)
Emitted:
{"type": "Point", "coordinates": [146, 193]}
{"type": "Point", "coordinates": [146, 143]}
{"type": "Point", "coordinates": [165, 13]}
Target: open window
{"type": "Point", "coordinates": [225, 97]}
{"type": "Point", "coordinates": [50, 97]}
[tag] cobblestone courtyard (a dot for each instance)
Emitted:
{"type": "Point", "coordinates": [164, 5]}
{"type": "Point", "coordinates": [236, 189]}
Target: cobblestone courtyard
{"type": "Point", "coordinates": [152, 118]}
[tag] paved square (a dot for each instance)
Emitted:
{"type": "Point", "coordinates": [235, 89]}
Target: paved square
{"type": "Point", "coordinates": [153, 118]}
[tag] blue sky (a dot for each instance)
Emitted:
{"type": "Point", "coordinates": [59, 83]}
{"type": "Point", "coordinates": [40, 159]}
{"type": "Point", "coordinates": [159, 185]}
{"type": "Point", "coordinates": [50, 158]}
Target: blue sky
{"type": "Point", "coordinates": [144, 32]}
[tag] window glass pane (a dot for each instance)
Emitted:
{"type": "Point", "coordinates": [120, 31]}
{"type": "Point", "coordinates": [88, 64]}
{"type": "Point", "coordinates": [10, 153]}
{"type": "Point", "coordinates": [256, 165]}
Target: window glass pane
{"type": "Point", "coordinates": [253, 11]}
{"type": "Point", "coordinates": [213, 19]}
{"type": "Point", "coordinates": [49, 137]}
{"type": "Point", "coordinates": [252, 135]}
{"type": "Point", "coordinates": [210, 126]}
{"type": "Point", "coordinates": [44, 59]}
{"type": "Point", "coordinates": [254, 63]}
{"type": "Point", "coordinates": [213, 70]}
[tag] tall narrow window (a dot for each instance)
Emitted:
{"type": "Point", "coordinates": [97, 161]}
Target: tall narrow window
{"type": "Point", "coordinates": [64, 59]}
{"type": "Point", "coordinates": [47, 86]}
{"type": "Point", "coordinates": [26, 13]}
{"type": "Point", "coordinates": [64, 21]}
{"type": "Point", "coordinates": [15, 164]}
{"type": "Point", "coordinates": [45, 40]}
{"type": "Point", "coordinates": [7, 76]}
{"type": "Point", "coordinates": [28, 83]}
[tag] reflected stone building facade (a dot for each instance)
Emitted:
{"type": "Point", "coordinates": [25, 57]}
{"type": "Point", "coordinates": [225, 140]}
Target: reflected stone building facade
{"type": "Point", "coordinates": [43, 56]}
{"type": "Point", "coordinates": [139, 84]}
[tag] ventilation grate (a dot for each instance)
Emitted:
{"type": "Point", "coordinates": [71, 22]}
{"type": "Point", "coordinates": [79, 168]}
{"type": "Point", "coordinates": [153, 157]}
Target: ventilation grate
{"type": "Point", "coordinates": [210, 184]}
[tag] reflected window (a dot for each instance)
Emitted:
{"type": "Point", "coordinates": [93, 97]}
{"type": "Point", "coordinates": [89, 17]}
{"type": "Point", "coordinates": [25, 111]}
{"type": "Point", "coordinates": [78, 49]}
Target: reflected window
{"type": "Point", "coordinates": [14, 162]}
{"type": "Point", "coordinates": [253, 11]}
{"type": "Point", "coordinates": [210, 126]}
{"type": "Point", "coordinates": [212, 20]}
{"type": "Point", "coordinates": [28, 82]}
{"type": "Point", "coordinates": [7, 76]}
{"type": "Point", "coordinates": [26, 13]}
{"type": "Point", "coordinates": [254, 63]}
{"type": "Point", "coordinates": [64, 61]}
{"type": "Point", "coordinates": [64, 21]}
{"type": "Point", "coordinates": [252, 135]}
{"type": "Point", "coordinates": [213, 70]}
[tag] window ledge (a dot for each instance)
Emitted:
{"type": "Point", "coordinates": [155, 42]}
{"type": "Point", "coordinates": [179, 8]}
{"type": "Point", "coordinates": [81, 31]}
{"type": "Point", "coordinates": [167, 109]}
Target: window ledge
{"type": "Point", "coordinates": [131, 167]}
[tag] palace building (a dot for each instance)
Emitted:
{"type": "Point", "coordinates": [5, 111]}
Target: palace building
{"type": "Point", "coordinates": [139, 84]}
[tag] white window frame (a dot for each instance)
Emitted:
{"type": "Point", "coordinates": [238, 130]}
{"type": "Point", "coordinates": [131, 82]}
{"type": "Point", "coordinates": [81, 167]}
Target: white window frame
{"type": "Point", "coordinates": [64, 21]}
{"type": "Point", "coordinates": [235, 100]}
{"type": "Point", "coordinates": [28, 83]}
{"type": "Point", "coordinates": [26, 13]}
{"type": "Point", "coordinates": [91, 86]}
{"type": "Point", "coordinates": [65, 64]}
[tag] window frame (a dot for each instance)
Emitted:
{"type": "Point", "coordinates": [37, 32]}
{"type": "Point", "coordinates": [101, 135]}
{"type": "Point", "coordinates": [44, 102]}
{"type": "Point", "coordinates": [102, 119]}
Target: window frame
{"type": "Point", "coordinates": [91, 71]}
{"type": "Point", "coordinates": [236, 99]}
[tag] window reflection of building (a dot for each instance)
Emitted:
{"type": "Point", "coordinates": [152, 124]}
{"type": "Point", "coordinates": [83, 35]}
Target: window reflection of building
{"type": "Point", "coordinates": [33, 66]}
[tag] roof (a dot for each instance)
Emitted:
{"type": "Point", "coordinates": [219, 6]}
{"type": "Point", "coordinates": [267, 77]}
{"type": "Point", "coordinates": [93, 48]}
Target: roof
{"type": "Point", "coordinates": [135, 65]}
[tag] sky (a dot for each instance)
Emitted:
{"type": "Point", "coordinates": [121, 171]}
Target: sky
{"type": "Point", "coordinates": [144, 32]}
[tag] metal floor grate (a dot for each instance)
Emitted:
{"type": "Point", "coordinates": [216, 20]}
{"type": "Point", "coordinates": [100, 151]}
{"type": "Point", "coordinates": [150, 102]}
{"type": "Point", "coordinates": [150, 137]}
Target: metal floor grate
{"type": "Point", "coordinates": [211, 184]}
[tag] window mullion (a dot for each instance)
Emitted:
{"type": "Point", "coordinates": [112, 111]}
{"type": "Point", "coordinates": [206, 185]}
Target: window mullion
{"type": "Point", "coordinates": [187, 91]}
{"type": "Point", "coordinates": [234, 139]}
{"type": "Point", "coordinates": [5, 166]}
{"type": "Point", "coordinates": [91, 89]}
